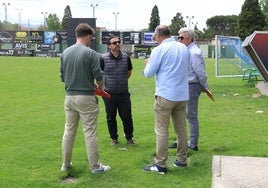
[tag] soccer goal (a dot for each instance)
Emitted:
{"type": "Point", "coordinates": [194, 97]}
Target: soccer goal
{"type": "Point", "coordinates": [231, 59]}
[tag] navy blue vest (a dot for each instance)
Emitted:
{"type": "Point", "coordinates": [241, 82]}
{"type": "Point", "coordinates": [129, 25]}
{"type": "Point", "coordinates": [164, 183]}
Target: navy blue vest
{"type": "Point", "coordinates": [115, 73]}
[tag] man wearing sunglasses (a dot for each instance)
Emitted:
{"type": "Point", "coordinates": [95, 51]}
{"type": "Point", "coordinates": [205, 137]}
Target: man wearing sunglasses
{"type": "Point", "coordinates": [117, 68]}
{"type": "Point", "coordinates": [197, 84]}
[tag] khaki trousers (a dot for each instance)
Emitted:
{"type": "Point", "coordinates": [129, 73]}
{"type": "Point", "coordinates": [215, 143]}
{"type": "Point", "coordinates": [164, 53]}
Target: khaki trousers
{"type": "Point", "coordinates": [86, 108]}
{"type": "Point", "coordinates": [164, 109]}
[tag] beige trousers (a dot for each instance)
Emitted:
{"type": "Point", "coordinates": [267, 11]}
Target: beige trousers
{"type": "Point", "coordinates": [164, 109]}
{"type": "Point", "coordinates": [84, 107]}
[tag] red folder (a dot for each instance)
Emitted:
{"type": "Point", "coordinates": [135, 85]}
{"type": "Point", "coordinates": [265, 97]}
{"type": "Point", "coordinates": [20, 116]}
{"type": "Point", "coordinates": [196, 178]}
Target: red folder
{"type": "Point", "coordinates": [101, 92]}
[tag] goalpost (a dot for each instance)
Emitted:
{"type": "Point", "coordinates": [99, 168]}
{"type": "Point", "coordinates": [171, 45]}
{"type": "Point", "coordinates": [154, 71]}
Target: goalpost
{"type": "Point", "coordinates": [231, 59]}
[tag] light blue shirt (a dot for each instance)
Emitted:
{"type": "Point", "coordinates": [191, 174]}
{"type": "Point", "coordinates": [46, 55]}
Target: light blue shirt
{"type": "Point", "coordinates": [169, 63]}
{"type": "Point", "coordinates": [197, 69]}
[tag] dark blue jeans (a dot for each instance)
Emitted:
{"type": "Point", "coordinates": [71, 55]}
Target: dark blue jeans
{"type": "Point", "coordinates": [119, 102]}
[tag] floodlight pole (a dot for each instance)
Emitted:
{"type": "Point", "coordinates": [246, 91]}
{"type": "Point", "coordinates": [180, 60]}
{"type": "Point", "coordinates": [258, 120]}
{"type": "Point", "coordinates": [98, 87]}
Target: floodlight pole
{"type": "Point", "coordinates": [195, 24]}
{"type": "Point", "coordinates": [6, 4]}
{"type": "Point", "coordinates": [115, 14]}
{"type": "Point", "coordinates": [93, 7]}
{"type": "Point", "coordinates": [44, 13]}
{"type": "Point", "coordinates": [19, 18]}
{"type": "Point", "coordinates": [189, 19]}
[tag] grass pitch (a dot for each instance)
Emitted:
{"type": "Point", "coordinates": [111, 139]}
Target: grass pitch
{"type": "Point", "coordinates": [32, 123]}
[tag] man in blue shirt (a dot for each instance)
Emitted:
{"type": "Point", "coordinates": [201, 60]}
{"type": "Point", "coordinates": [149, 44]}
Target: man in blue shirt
{"type": "Point", "coordinates": [169, 64]}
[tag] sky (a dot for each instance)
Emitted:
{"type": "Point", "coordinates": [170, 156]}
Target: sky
{"type": "Point", "coordinates": [130, 15]}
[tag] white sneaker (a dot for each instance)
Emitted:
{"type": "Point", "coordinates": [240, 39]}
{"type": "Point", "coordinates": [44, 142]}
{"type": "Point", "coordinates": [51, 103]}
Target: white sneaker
{"type": "Point", "coordinates": [102, 168]}
{"type": "Point", "coordinates": [66, 167]}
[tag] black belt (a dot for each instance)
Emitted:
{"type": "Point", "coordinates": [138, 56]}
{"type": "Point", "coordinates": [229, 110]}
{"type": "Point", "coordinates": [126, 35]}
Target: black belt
{"type": "Point", "coordinates": [194, 83]}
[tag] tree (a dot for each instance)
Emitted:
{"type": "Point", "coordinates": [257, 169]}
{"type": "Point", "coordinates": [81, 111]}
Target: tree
{"type": "Point", "coordinates": [53, 22]}
{"type": "Point", "coordinates": [8, 26]}
{"type": "Point", "coordinates": [221, 25]}
{"type": "Point", "coordinates": [264, 8]}
{"type": "Point", "coordinates": [199, 35]}
{"type": "Point", "coordinates": [67, 15]}
{"type": "Point", "coordinates": [155, 19]}
{"type": "Point", "coordinates": [176, 23]}
{"type": "Point", "coordinates": [1, 25]}
{"type": "Point", "coordinates": [250, 19]}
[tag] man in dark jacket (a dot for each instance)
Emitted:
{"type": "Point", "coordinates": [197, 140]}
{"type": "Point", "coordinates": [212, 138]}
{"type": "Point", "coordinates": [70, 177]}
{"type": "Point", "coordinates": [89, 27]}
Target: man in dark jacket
{"type": "Point", "coordinates": [117, 67]}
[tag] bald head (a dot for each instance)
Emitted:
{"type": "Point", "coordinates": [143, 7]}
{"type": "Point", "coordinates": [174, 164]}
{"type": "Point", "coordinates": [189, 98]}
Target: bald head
{"type": "Point", "coordinates": [162, 30]}
{"type": "Point", "coordinates": [161, 33]}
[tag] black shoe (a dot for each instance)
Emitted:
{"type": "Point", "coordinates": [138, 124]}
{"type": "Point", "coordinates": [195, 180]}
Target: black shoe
{"type": "Point", "coordinates": [179, 164]}
{"type": "Point", "coordinates": [131, 142]}
{"type": "Point", "coordinates": [193, 148]}
{"type": "Point", "coordinates": [114, 142]}
{"type": "Point", "coordinates": [174, 145]}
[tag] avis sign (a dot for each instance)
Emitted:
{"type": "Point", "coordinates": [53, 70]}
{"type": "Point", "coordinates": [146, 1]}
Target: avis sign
{"type": "Point", "coordinates": [256, 45]}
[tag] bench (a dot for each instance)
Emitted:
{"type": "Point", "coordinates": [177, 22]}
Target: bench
{"type": "Point", "coordinates": [251, 75]}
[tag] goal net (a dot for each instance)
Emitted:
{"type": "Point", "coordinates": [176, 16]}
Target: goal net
{"type": "Point", "coordinates": [231, 58]}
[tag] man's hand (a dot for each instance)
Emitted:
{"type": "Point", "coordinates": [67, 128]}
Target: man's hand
{"type": "Point", "coordinates": [146, 61]}
{"type": "Point", "coordinates": [99, 84]}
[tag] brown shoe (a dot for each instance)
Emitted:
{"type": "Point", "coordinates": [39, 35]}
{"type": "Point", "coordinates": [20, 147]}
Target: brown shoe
{"type": "Point", "coordinates": [114, 142]}
{"type": "Point", "coordinates": [130, 142]}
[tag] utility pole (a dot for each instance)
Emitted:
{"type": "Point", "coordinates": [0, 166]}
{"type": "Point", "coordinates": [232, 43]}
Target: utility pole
{"type": "Point", "coordinates": [93, 7]}
{"type": "Point", "coordinates": [19, 18]}
{"type": "Point", "coordinates": [190, 20]}
{"type": "Point", "coordinates": [6, 4]}
{"type": "Point", "coordinates": [44, 13]}
{"type": "Point", "coordinates": [115, 14]}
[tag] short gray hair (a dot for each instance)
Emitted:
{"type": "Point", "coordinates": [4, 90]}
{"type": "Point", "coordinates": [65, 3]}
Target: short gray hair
{"type": "Point", "coordinates": [188, 31]}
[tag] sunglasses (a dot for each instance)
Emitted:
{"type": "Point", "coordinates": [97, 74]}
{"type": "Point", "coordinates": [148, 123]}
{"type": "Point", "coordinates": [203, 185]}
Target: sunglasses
{"type": "Point", "coordinates": [180, 38]}
{"type": "Point", "coordinates": [114, 43]}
